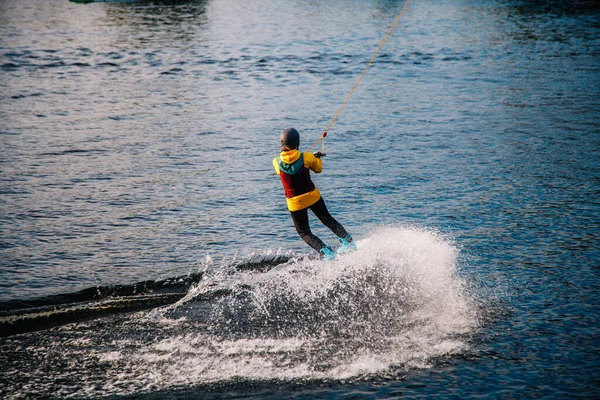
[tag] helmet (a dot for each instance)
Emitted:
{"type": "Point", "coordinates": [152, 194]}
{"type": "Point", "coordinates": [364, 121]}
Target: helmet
{"type": "Point", "coordinates": [290, 138]}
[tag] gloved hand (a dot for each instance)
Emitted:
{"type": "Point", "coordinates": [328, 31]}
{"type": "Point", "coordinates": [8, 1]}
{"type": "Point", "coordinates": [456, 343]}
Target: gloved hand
{"type": "Point", "coordinates": [318, 154]}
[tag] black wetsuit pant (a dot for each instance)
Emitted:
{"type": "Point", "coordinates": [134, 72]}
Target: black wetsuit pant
{"type": "Point", "coordinates": [300, 219]}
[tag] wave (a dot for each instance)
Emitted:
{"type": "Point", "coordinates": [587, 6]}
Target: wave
{"type": "Point", "coordinates": [398, 303]}
{"type": "Point", "coordinates": [20, 316]}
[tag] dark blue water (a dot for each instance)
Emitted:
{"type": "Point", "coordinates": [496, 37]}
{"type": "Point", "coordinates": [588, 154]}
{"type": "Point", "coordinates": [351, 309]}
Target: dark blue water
{"type": "Point", "coordinates": [146, 250]}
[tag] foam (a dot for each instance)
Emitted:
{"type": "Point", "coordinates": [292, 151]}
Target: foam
{"type": "Point", "coordinates": [397, 302]}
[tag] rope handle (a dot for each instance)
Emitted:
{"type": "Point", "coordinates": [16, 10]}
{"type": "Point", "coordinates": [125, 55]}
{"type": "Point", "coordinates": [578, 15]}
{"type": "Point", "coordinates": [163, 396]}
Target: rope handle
{"type": "Point", "coordinates": [322, 140]}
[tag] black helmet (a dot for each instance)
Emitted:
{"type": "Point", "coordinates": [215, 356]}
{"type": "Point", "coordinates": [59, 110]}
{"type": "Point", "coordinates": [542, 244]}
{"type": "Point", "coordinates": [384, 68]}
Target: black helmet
{"type": "Point", "coordinates": [290, 138]}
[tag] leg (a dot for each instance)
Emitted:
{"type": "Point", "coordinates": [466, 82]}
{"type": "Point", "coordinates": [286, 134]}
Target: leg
{"type": "Point", "coordinates": [300, 219]}
{"type": "Point", "coordinates": [320, 210]}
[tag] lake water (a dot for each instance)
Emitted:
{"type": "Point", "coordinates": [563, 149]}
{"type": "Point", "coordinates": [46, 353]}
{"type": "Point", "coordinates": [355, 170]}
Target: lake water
{"type": "Point", "coordinates": [137, 140]}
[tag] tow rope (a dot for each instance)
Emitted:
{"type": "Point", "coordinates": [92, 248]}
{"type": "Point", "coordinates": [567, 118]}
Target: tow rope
{"type": "Point", "coordinates": [322, 139]}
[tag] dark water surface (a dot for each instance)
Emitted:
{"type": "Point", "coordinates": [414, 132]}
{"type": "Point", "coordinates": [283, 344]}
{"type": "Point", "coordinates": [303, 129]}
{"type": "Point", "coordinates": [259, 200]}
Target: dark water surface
{"type": "Point", "coordinates": [145, 247]}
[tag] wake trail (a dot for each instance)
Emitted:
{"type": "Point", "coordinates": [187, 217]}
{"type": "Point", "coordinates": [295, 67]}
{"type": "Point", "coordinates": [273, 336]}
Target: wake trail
{"type": "Point", "coordinates": [396, 302]}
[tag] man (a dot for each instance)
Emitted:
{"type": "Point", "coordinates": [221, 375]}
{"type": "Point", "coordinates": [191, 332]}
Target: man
{"type": "Point", "coordinates": [293, 167]}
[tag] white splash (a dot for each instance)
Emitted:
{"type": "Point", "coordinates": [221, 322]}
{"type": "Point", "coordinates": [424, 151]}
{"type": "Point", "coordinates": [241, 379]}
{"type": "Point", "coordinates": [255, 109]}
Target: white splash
{"type": "Point", "coordinates": [397, 302]}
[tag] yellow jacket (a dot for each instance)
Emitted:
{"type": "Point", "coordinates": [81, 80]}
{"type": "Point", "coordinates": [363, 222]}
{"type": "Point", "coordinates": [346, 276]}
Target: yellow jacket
{"type": "Point", "coordinates": [311, 162]}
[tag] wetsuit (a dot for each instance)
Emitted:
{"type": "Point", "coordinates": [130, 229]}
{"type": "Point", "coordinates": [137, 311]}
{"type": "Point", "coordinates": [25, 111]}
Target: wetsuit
{"type": "Point", "coordinates": [301, 194]}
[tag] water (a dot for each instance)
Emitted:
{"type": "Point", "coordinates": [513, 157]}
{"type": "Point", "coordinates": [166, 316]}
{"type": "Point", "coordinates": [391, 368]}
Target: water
{"type": "Point", "coordinates": [145, 238]}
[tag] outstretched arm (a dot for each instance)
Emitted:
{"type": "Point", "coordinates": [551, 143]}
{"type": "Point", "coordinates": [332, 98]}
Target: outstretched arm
{"type": "Point", "coordinates": [315, 164]}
